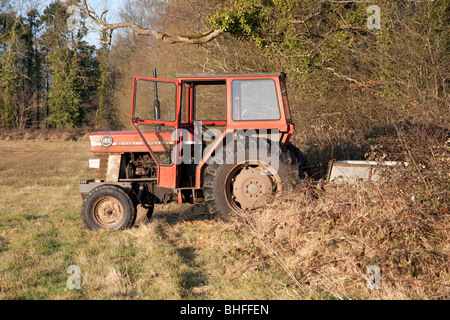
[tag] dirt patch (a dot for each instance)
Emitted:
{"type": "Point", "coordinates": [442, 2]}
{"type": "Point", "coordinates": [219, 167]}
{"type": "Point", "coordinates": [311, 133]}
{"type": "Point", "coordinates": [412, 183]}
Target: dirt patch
{"type": "Point", "coordinates": [77, 134]}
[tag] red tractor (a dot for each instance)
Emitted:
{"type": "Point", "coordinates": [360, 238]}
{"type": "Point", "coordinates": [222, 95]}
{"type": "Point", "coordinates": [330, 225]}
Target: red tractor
{"type": "Point", "coordinates": [219, 139]}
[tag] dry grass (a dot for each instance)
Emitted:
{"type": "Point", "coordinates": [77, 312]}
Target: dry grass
{"type": "Point", "coordinates": [315, 244]}
{"type": "Point", "coordinates": [54, 135]}
{"type": "Point", "coordinates": [181, 254]}
{"type": "Point", "coordinates": [329, 243]}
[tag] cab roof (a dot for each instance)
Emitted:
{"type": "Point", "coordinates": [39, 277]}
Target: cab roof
{"type": "Point", "coordinates": [229, 75]}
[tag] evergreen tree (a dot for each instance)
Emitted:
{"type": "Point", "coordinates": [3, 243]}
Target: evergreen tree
{"type": "Point", "coordinates": [70, 65]}
{"type": "Point", "coordinates": [49, 75]}
{"type": "Point", "coordinates": [64, 98]}
{"type": "Point", "coordinates": [9, 74]}
{"type": "Point", "coordinates": [106, 114]}
{"type": "Point", "coordinates": [33, 67]}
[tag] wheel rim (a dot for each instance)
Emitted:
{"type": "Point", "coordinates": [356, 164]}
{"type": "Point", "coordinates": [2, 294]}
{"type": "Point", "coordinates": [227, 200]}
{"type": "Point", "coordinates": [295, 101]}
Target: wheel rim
{"type": "Point", "coordinates": [108, 212]}
{"type": "Point", "coordinates": [247, 187]}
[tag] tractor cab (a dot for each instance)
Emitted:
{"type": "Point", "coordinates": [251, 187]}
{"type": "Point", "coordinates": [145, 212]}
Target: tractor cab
{"type": "Point", "coordinates": [173, 116]}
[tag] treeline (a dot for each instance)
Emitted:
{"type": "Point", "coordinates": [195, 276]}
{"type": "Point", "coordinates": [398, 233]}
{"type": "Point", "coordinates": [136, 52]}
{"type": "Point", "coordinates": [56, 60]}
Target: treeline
{"type": "Point", "coordinates": [50, 76]}
{"type": "Point", "coordinates": [345, 77]}
{"type": "Point", "coordinates": [346, 67]}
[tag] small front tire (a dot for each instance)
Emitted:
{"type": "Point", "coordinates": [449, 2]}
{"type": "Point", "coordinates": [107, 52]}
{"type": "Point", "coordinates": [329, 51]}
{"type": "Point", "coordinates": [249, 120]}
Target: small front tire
{"type": "Point", "coordinates": [108, 207]}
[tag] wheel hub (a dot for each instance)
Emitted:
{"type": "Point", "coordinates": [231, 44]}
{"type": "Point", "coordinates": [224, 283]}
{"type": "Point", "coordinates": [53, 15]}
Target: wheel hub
{"type": "Point", "coordinates": [251, 187]}
{"type": "Point", "coordinates": [108, 212]}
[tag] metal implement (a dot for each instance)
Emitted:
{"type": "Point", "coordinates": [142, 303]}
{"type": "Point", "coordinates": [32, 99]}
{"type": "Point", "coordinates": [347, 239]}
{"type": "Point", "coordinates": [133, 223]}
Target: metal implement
{"type": "Point", "coordinates": [352, 172]}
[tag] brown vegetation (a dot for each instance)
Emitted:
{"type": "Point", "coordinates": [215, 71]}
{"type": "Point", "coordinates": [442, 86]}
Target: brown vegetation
{"type": "Point", "coordinates": [76, 134]}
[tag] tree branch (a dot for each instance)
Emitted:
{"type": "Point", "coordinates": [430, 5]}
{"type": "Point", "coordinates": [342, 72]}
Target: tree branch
{"type": "Point", "coordinates": [341, 76]}
{"type": "Point", "coordinates": [103, 25]}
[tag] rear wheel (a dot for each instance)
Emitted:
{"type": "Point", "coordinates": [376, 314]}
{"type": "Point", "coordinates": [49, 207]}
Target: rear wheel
{"type": "Point", "coordinates": [301, 160]}
{"type": "Point", "coordinates": [236, 189]}
{"type": "Point", "coordinates": [109, 208]}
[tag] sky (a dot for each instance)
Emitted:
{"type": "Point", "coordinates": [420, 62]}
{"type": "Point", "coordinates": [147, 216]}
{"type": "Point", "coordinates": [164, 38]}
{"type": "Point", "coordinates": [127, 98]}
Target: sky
{"type": "Point", "coordinates": [93, 38]}
{"type": "Point", "coordinates": [99, 5]}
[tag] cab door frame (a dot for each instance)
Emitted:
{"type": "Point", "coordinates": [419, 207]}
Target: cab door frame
{"type": "Point", "coordinates": [168, 174]}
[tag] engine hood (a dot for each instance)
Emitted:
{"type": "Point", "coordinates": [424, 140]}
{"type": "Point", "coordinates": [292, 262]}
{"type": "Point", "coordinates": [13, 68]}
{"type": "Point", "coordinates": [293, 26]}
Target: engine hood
{"type": "Point", "coordinates": [131, 141]}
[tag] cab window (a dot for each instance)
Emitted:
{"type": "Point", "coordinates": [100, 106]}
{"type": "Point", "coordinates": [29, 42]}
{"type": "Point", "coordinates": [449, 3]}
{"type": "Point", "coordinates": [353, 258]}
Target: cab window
{"type": "Point", "coordinates": [255, 100]}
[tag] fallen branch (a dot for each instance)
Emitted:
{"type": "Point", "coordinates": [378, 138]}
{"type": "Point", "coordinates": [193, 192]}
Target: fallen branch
{"type": "Point", "coordinates": [109, 28]}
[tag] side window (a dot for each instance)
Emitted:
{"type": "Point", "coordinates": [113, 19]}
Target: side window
{"type": "Point", "coordinates": [255, 100]}
{"type": "Point", "coordinates": [211, 102]}
{"type": "Point", "coordinates": [287, 109]}
{"type": "Point", "coordinates": [185, 102]}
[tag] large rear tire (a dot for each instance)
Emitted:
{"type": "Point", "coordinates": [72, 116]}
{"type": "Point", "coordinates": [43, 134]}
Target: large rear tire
{"type": "Point", "coordinates": [236, 189]}
{"type": "Point", "coordinates": [301, 161]}
{"type": "Point", "coordinates": [108, 207]}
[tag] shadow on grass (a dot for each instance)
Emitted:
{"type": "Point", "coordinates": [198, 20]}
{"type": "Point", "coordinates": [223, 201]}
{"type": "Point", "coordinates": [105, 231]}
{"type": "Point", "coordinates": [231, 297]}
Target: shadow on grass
{"type": "Point", "coordinates": [3, 244]}
{"type": "Point", "coordinates": [192, 277]}
{"type": "Point", "coordinates": [174, 213]}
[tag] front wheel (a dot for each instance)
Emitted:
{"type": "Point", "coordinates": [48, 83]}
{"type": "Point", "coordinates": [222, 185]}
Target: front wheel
{"type": "Point", "coordinates": [108, 207]}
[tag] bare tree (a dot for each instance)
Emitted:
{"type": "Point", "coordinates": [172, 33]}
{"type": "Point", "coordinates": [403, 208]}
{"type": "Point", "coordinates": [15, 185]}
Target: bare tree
{"type": "Point", "coordinates": [3, 4]}
{"type": "Point", "coordinates": [100, 21]}
{"type": "Point", "coordinates": [21, 7]}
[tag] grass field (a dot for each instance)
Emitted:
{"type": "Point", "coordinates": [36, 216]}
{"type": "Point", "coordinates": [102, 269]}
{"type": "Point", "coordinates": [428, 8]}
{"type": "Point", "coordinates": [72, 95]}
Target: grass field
{"type": "Point", "coordinates": [315, 244]}
{"type": "Point", "coordinates": [181, 254]}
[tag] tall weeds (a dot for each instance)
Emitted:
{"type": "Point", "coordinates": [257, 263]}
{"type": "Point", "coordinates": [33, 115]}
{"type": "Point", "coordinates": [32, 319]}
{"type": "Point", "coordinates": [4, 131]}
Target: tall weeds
{"type": "Point", "coordinates": [326, 238]}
